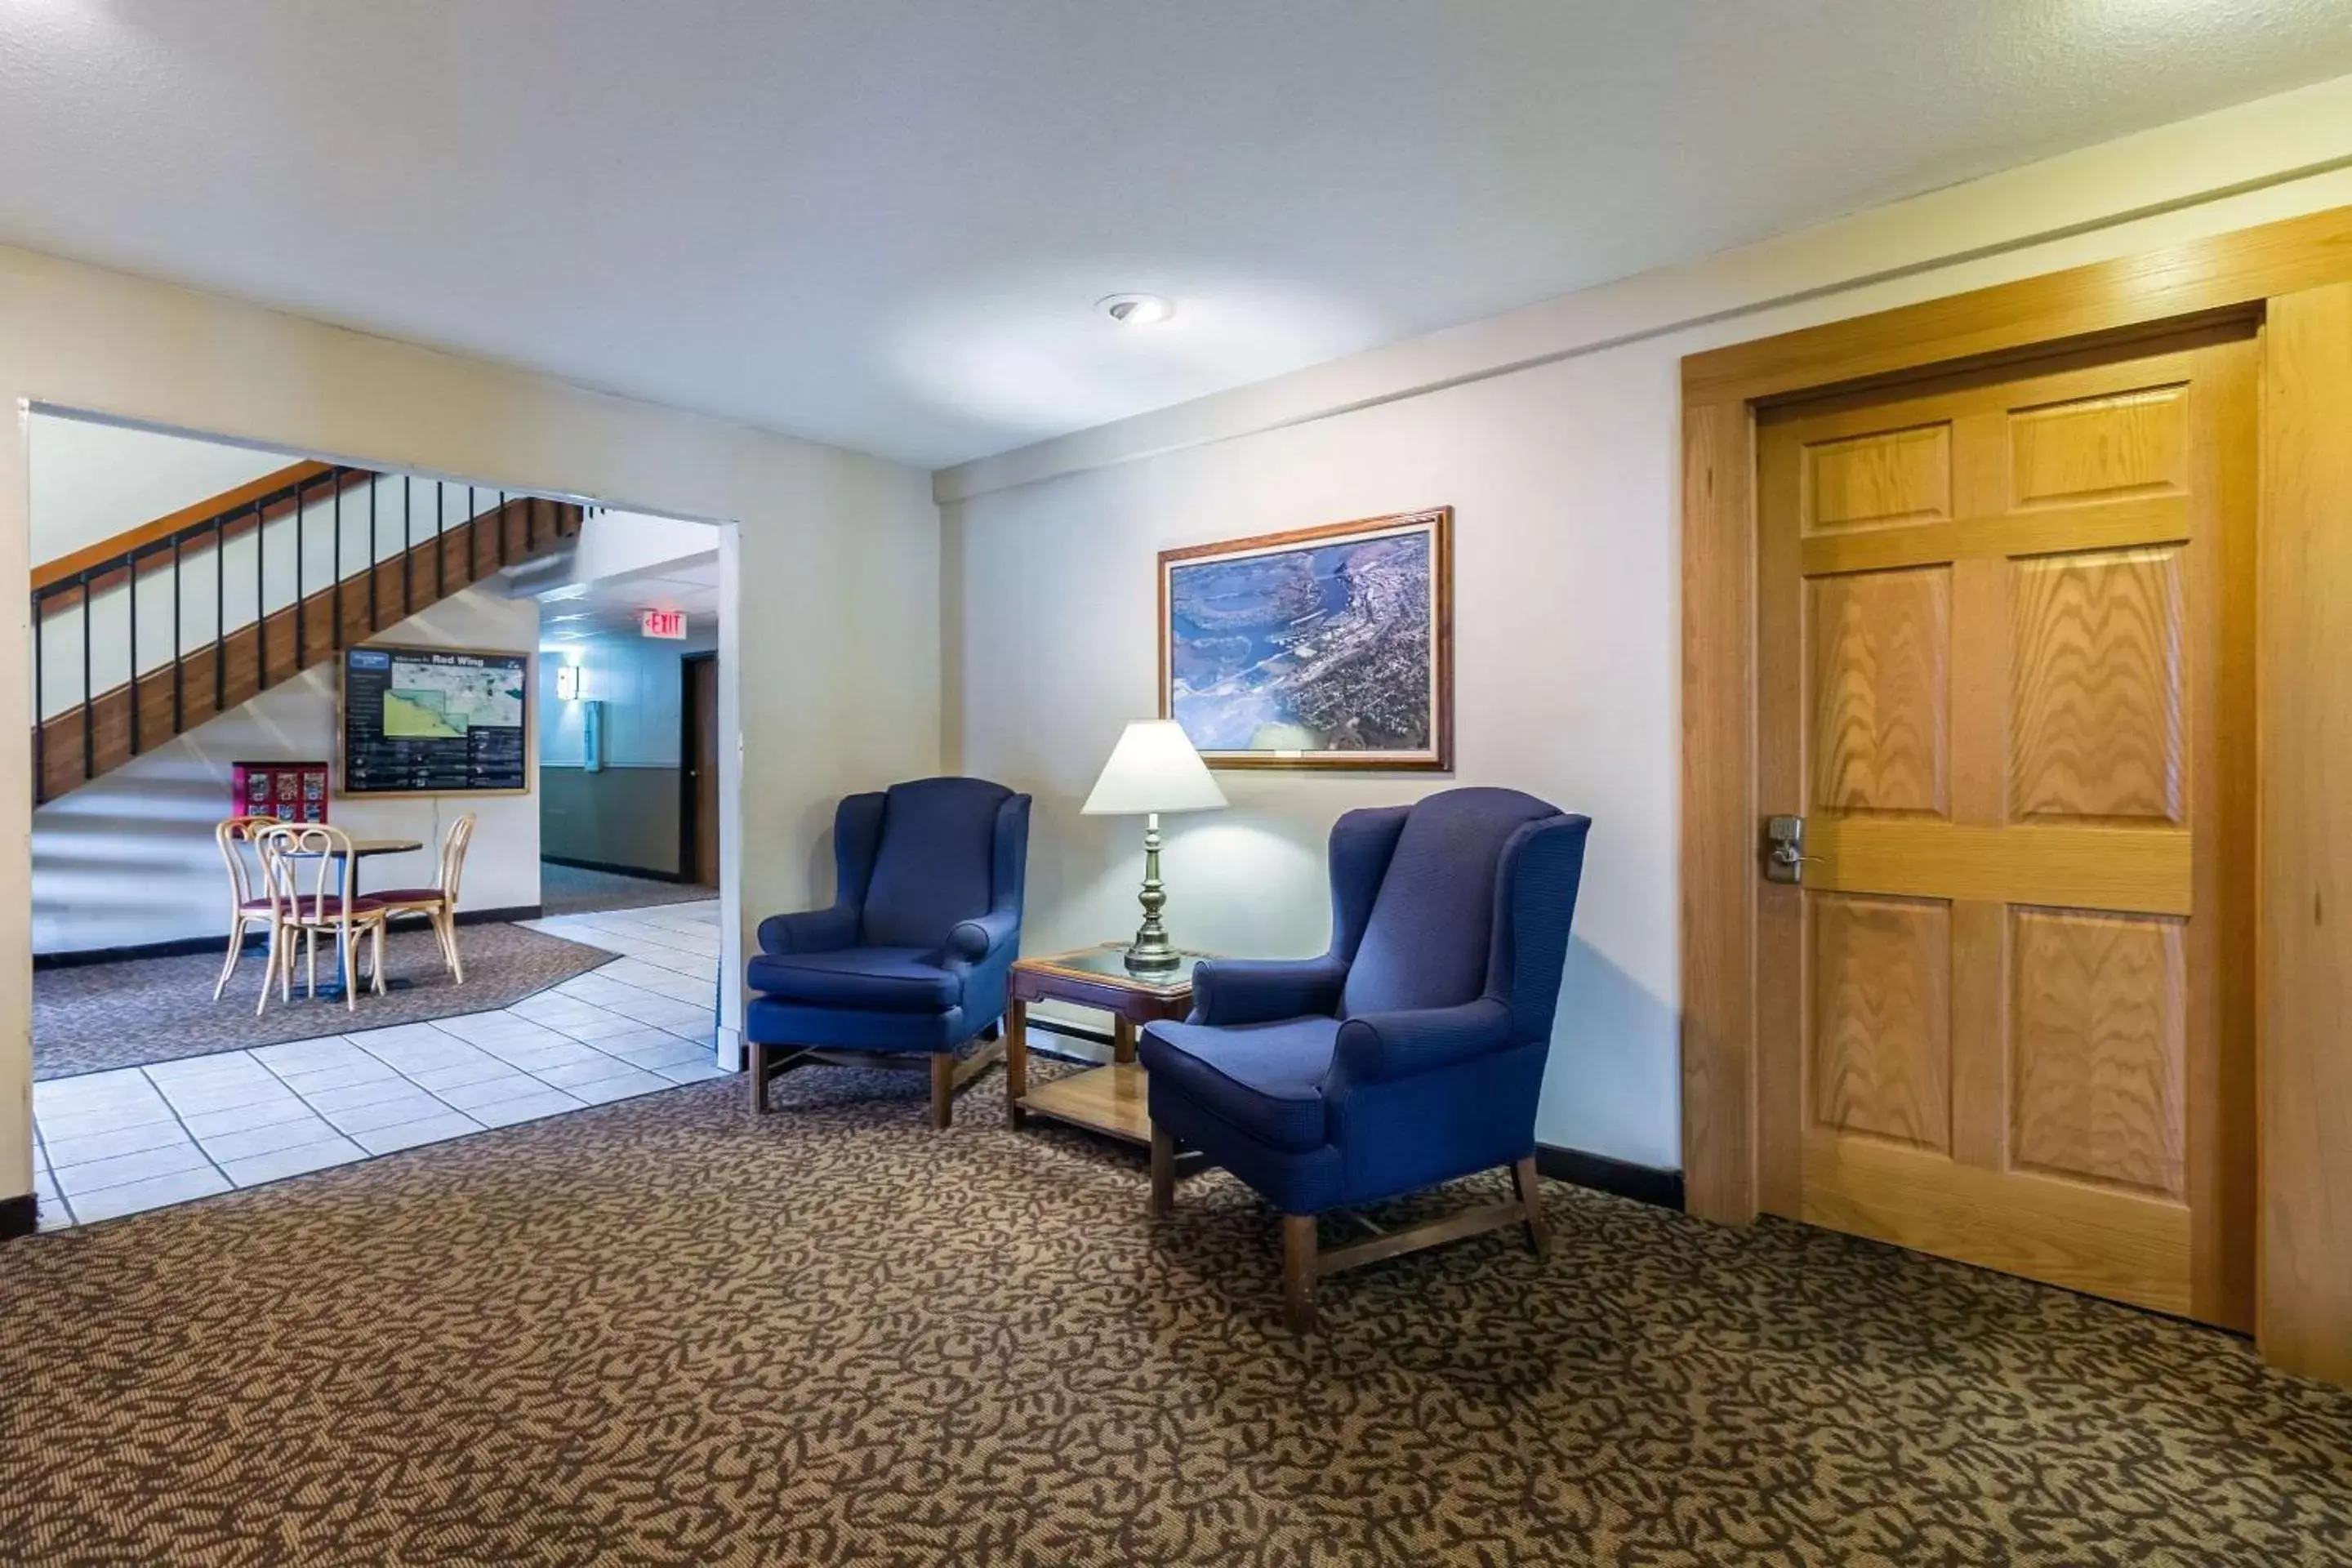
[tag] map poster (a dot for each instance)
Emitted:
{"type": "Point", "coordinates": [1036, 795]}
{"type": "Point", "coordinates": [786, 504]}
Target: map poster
{"type": "Point", "coordinates": [429, 720]}
{"type": "Point", "coordinates": [1326, 647]}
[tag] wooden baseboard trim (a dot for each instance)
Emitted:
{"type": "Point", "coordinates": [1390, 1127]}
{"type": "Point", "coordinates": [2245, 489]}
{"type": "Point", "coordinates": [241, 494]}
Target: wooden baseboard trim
{"type": "Point", "coordinates": [1624, 1179]}
{"type": "Point", "coordinates": [19, 1215]}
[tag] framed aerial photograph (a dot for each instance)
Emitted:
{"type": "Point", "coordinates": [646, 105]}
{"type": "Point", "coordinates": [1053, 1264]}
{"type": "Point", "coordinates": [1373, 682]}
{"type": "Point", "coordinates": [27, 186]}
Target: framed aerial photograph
{"type": "Point", "coordinates": [1322, 648]}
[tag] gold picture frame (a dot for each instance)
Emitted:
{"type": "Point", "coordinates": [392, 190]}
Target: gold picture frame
{"type": "Point", "coordinates": [1385, 703]}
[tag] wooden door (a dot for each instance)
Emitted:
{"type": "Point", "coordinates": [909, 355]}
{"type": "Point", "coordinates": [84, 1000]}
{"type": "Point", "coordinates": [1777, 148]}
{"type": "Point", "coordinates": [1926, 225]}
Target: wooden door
{"type": "Point", "coordinates": [2005, 623]}
{"type": "Point", "coordinates": [702, 760]}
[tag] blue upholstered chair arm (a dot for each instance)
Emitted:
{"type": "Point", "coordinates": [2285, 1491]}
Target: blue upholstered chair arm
{"type": "Point", "coordinates": [1228, 991]}
{"type": "Point", "coordinates": [982, 937]}
{"type": "Point", "coordinates": [1375, 1047]}
{"type": "Point", "coordinates": [812, 931]}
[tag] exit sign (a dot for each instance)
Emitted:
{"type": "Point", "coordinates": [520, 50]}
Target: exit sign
{"type": "Point", "coordinates": [662, 624]}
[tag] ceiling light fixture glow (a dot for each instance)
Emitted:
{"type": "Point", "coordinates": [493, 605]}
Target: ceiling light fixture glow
{"type": "Point", "coordinates": [1135, 309]}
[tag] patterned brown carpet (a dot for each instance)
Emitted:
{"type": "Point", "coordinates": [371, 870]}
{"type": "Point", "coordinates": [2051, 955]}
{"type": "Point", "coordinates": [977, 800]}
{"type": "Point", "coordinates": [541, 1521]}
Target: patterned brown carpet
{"type": "Point", "coordinates": [97, 1017]}
{"type": "Point", "coordinates": [572, 890]}
{"type": "Point", "coordinates": [661, 1331]}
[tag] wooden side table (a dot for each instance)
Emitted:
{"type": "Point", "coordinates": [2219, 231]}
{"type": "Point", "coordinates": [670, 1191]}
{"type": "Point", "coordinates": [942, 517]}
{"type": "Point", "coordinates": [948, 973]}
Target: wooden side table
{"type": "Point", "coordinates": [1109, 1099]}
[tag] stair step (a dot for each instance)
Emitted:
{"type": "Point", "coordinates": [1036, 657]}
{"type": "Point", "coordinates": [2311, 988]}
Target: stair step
{"type": "Point", "coordinates": [87, 742]}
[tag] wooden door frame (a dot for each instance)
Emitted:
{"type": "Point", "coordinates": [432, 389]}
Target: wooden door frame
{"type": "Point", "coordinates": [689, 792]}
{"type": "Point", "coordinates": [2298, 273]}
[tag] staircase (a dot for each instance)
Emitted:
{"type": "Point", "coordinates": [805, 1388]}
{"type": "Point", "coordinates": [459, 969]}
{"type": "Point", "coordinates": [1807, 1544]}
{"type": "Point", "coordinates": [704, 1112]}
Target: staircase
{"type": "Point", "coordinates": [149, 634]}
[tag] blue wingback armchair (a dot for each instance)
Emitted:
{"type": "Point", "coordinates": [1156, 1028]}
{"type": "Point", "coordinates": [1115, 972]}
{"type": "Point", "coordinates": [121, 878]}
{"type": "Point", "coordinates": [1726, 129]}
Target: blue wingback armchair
{"type": "Point", "coordinates": [1410, 1054]}
{"type": "Point", "coordinates": [910, 962]}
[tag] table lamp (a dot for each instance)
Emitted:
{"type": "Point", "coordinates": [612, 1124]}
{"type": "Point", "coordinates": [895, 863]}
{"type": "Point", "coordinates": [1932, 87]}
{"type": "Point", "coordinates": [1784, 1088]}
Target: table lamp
{"type": "Point", "coordinates": [1152, 769]}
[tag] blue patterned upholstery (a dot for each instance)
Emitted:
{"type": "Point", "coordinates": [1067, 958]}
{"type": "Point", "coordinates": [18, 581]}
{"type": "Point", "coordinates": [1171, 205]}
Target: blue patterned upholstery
{"type": "Point", "coordinates": [1412, 1051]}
{"type": "Point", "coordinates": [914, 952]}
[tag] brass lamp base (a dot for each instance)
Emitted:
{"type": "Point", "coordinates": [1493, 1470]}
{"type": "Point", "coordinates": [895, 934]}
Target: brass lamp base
{"type": "Point", "coordinates": [1163, 959]}
{"type": "Point", "coordinates": [1152, 953]}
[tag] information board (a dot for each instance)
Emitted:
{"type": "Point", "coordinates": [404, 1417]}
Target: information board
{"type": "Point", "coordinates": [434, 721]}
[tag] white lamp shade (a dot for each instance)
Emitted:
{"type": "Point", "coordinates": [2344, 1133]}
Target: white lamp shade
{"type": "Point", "coordinates": [1153, 768]}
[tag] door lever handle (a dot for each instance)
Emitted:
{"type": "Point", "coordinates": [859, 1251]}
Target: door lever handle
{"type": "Point", "coordinates": [1784, 849]}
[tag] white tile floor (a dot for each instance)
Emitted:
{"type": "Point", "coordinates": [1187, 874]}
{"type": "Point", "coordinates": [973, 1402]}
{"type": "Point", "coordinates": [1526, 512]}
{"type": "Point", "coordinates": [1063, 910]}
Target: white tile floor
{"type": "Point", "coordinates": [112, 1143]}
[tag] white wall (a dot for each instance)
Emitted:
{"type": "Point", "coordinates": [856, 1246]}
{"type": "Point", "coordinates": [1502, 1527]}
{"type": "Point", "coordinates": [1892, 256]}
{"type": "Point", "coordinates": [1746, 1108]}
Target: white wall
{"type": "Point", "coordinates": [130, 858]}
{"type": "Point", "coordinates": [1554, 432]}
{"type": "Point", "coordinates": [613, 543]}
{"type": "Point", "coordinates": [92, 481]}
{"type": "Point", "coordinates": [1566, 664]}
{"type": "Point", "coordinates": [837, 554]}
{"type": "Point", "coordinates": [637, 680]}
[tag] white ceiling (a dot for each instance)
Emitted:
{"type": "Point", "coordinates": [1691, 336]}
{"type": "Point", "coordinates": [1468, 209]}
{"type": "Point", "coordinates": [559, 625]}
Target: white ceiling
{"type": "Point", "coordinates": [608, 606]}
{"type": "Point", "coordinates": [882, 223]}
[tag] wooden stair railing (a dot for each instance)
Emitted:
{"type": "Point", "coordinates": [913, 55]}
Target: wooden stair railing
{"type": "Point", "coordinates": [108, 728]}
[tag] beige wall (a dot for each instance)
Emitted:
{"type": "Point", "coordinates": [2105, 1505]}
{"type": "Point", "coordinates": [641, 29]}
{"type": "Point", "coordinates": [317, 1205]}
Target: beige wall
{"type": "Point", "coordinates": [1554, 432]}
{"type": "Point", "coordinates": [836, 554]}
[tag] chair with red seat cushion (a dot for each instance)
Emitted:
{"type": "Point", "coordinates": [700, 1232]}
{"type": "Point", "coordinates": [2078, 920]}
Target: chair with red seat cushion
{"type": "Point", "coordinates": [292, 853]}
{"type": "Point", "coordinates": [439, 904]}
{"type": "Point", "coordinates": [246, 907]}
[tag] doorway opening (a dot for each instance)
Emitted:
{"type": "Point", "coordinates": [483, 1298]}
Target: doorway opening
{"type": "Point", "coordinates": [239, 650]}
{"type": "Point", "coordinates": [627, 614]}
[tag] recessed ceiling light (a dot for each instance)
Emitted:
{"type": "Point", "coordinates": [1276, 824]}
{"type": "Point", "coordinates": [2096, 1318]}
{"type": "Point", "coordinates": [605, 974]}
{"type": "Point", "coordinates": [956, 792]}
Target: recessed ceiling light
{"type": "Point", "coordinates": [1135, 309]}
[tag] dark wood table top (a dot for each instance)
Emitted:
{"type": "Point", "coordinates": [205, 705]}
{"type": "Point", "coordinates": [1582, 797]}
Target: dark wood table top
{"type": "Point", "coordinates": [1098, 978]}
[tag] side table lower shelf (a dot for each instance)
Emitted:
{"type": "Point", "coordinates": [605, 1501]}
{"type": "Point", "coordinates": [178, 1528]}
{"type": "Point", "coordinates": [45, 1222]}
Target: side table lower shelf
{"type": "Point", "coordinates": [1110, 1100]}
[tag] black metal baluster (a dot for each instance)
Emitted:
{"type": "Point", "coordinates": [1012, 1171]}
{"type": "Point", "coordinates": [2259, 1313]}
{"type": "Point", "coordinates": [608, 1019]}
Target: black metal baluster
{"type": "Point", "coordinates": [407, 545]}
{"type": "Point", "coordinates": [40, 702]}
{"type": "Point", "coordinates": [336, 636]}
{"type": "Point", "coordinates": [260, 608]}
{"type": "Point", "coordinates": [89, 714]}
{"type": "Point", "coordinates": [374, 547]}
{"type": "Point", "coordinates": [440, 539]}
{"type": "Point", "coordinates": [134, 652]}
{"type": "Point", "coordinates": [220, 614]}
{"type": "Point", "coordinates": [473, 528]}
{"type": "Point", "coordinates": [301, 586]}
{"type": "Point", "coordinates": [500, 515]}
{"type": "Point", "coordinates": [179, 659]}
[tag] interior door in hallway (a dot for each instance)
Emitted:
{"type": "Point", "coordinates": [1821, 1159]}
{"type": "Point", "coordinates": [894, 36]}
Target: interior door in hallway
{"type": "Point", "coordinates": [2006, 653]}
{"type": "Point", "coordinates": [702, 766]}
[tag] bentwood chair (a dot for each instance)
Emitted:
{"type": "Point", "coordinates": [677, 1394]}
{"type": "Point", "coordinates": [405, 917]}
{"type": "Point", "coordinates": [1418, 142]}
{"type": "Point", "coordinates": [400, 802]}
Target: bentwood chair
{"type": "Point", "coordinates": [438, 904]}
{"type": "Point", "coordinates": [1410, 1054]}
{"type": "Point", "coordinates": [247, 907]}
{"type": "Point", "coordinates": [912, 961]}
{"type": "Point", "coordinates": [291, 855]}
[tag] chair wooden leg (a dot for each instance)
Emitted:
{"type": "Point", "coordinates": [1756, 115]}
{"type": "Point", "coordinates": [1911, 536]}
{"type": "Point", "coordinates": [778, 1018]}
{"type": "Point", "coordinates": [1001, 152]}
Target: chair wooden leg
{"type": "Point", "coordinates": [1299, 1264]}
{"type": "Point", "coordinates": [270, 964]}
{"type": "Point", "coordinates": [448, 923]}
{"type": "Point", "coordinates": [1523, 1178]}
{"type": "Point", "coordinates": [310, 957]}
{"type": "Point", "coordinates": [229, 964]}
{"type": "Point", "coordinates": [756, 1054]}
{"type": "Point", "coordinates": [1163, 1173]}
{"type": "Point", "coordinates": [344, 946]}
{"type": "Point", "coordinates": [943, 1085]}
{"type": "Point", "coordinates": [375, 958]}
